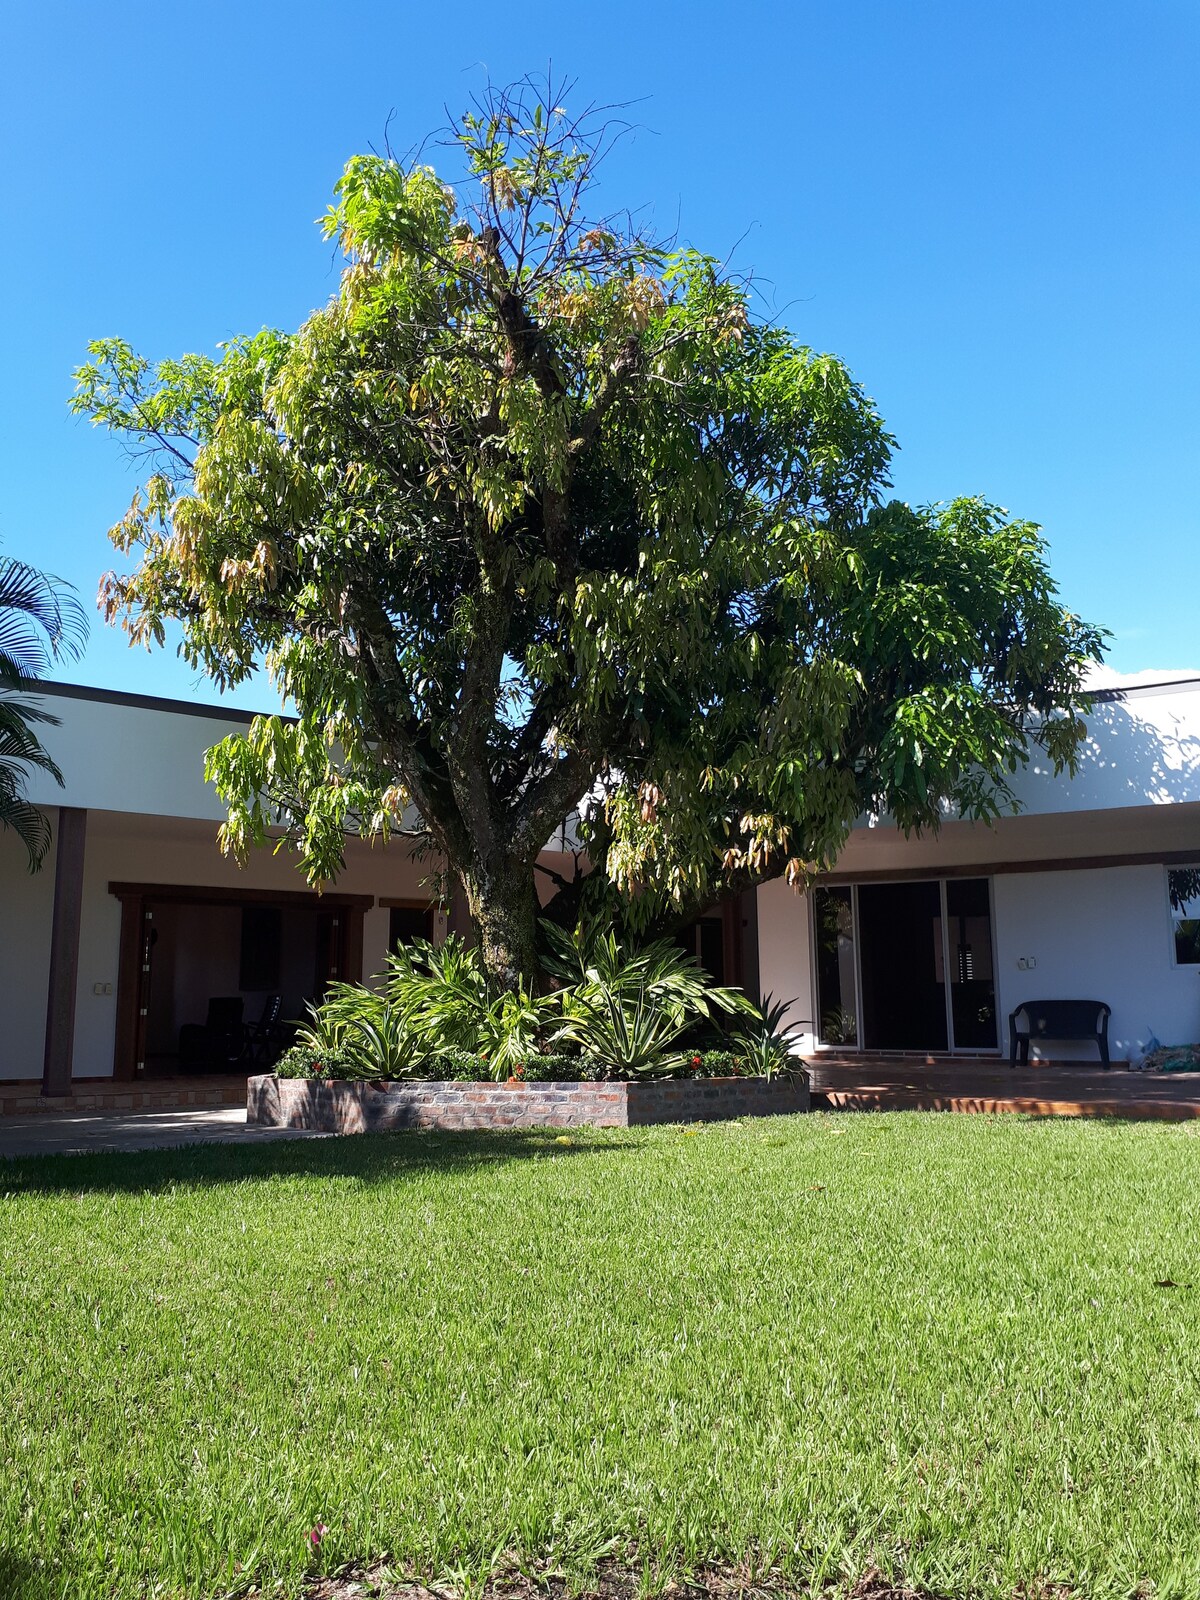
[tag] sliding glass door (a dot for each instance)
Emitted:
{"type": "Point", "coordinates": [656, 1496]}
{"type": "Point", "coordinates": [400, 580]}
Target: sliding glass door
{"type": "Point", "coordinates": [836, 966]}
{"type": "Point", "coordinates": [972, 969]}
{"type": "Point", "coordinates": [906, 966]}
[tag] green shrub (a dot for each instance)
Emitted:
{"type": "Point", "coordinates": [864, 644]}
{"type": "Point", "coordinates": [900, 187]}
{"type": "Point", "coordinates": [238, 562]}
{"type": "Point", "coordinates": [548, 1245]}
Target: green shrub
{"type": "Point", "coordinates": [466, 1066]}
{"type": "Point", "coordinates": [554, 1068]}
{"type": "Point", "coordinates": [631, 1008]}
{"type": "Point", "coordinates": [716, 1064]}
{"type": "Point", "coordinates": [314, 1061]}
{"type": "Point", "coordinates": [620, 1012]}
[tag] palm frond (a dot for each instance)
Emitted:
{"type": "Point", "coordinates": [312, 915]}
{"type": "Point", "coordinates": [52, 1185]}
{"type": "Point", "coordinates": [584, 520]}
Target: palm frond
{"type": "Point", "coordinates": [19, 816]}
{"type": "Point", "coordinates": [41, 621]}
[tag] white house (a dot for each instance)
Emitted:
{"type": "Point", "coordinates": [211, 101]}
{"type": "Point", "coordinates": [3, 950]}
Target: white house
{"type": "Point", "coordinates": [1070, 899]}
{"type": "Point", "coordinates": [137, 921]}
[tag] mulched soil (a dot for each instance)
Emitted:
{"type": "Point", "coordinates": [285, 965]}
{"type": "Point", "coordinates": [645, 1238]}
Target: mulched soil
{"type": "Point", "coordinates": [620, 1581]}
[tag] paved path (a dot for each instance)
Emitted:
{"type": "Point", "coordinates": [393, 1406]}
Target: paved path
{"type": "Point", "coordinates": [76, 1132]}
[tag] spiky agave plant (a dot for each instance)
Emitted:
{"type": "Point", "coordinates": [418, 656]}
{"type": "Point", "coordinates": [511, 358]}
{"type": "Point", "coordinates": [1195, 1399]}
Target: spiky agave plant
{"type": "Point", "coordinates": [625, 1005]}
{"type": "Point", "coordinates": [767, 1042]}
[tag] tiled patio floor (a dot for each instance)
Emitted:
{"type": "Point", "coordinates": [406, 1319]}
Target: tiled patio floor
{"type": "Point", "coordinates": [102, 1094]}
{"type": "Point", "coordinates": [842, 1083]}
{"type": "Point", "coordinates": [920, 1083]}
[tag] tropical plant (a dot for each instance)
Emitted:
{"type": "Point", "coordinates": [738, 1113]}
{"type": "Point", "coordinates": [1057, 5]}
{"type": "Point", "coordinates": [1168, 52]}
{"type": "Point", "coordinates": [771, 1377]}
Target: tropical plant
{"type": "Point", "coordinates": [839, 1025]}
{"type": "Point", "coordinates": [536, 508]}
{"type": "Point", "coordinates": [449, 1003]}
{"type": "Point", "coordinates": [627, 1033]}
{"type": "Point", "coordinates": [434, 1004]}
{"type": "Point", "coordinates": [766, 1042]}
{"type": "Point", "coordinates": [629, 1007]}
{"type": "Point", "coordinates": [592, 957]}
{"type": "Point", "coordinates": [40, 622]}
{"type": "Point", "coordinates": [362, 1026]}
{"type": "Point", "coordinates": [312, 1061]}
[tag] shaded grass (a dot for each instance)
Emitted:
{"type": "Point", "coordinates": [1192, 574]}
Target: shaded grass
{"type": "Point", "coordinates": [934, 1344]}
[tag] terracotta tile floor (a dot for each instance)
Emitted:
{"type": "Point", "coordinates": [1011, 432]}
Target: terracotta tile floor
{"type": "Point", "coordinates": [102, 1094]}
{"type": "Point", "coordinates": [983, 1083]}
{"type": "Point", "coordinates": [847, 1083]}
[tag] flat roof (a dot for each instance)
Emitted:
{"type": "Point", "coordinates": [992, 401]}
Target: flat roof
{"type": "Point", "coordinates": [146, 702]}
{"type": "Point", "coordinates": [200, 708]}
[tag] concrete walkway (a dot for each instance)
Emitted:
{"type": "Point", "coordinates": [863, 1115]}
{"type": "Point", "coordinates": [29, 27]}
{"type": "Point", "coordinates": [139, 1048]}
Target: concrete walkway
{"type": "Point", "coordinates": [77, 1132]}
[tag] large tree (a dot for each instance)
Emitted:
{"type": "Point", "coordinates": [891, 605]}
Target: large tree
{"type": "Point", "coordinates": [537, 512]}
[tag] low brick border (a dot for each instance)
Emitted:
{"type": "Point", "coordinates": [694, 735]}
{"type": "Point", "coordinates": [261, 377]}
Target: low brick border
{"type": "Point", "coordinates": [273, 1102]}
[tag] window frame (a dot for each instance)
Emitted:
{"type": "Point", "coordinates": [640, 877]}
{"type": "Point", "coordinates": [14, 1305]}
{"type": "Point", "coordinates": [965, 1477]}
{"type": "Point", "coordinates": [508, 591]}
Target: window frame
{"type": "Point", "coordinates": [1173, 920]}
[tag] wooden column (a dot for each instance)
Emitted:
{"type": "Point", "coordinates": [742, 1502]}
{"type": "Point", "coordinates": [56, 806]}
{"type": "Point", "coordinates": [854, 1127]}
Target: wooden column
{"type": "Point", "coordinates": [352, 944]}
{"type": "Point", "coordinates": [130, 986]}
{"type": "Point", "coordinates": [64, 950]}
{"type": "Point", "coordinates": [751, 979]}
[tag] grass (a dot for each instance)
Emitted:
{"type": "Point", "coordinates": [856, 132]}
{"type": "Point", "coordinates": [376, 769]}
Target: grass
{"type": "Point", "coordinates": [937, 1344]}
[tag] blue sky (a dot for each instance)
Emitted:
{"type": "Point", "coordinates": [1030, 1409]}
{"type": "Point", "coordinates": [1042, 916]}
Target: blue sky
{"type": "Point", "coordinates": [988, 208]}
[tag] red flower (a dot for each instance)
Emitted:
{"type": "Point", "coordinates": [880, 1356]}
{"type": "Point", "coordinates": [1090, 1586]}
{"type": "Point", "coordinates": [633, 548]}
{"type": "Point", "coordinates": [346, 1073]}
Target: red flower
{"type": "Point", "coordinates": [317, 1534]}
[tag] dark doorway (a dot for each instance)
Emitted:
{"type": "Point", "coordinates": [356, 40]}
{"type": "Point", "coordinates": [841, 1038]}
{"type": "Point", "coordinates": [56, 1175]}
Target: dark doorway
{"type": "Point", "coordinates": [900, 951]}
{"type": "Point", "coordinates": [409, 922]}
{"type": "Point", "coordinates": [185, 945]}
{"type": "Point", "coordinates": [715, 940]}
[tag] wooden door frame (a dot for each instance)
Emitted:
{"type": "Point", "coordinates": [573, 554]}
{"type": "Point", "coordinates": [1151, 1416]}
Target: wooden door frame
{"type": "Point", "coordinates": [137, 909]}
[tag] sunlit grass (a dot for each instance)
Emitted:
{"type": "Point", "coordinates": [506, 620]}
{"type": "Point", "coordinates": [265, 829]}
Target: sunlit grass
{"type": "Point", "coordinates": [932, 1343]}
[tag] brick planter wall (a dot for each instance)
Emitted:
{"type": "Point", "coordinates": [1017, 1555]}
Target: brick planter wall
{"type": "Point", "coordinates": [366, 1107]}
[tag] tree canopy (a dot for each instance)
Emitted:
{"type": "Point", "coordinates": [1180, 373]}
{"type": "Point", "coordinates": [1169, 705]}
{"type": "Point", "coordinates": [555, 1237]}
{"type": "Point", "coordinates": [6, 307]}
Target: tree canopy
{"type": "Point", "coordinates": [539, 513]}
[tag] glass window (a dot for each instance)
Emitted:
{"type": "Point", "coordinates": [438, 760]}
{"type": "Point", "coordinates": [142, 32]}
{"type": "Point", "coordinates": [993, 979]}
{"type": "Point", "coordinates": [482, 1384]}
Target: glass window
{"type": "Point", "coordinates": [1183, 887]}
{"type": "Point", "coordinates": [409, 923]}
{"type": "Point", "coordinates": [833, 925]}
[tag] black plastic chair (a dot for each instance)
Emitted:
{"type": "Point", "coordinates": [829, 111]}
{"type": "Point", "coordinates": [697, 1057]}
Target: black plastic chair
{"type": "Point", "coordinates": [216, 1044]}
{"type": "Point", "coordinates": [264, 1039]}
{"type": "Point", "coordinates": [1084, 1020]}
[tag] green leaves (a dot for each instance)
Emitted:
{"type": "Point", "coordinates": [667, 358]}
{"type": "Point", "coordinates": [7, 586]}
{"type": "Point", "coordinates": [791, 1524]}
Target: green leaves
{"type": "Point", "coordinates": [40, 622]}
{"type": "Point", "coordinates": [625, 1006]}
{"type": "Point", "coordinates": [535, 509]}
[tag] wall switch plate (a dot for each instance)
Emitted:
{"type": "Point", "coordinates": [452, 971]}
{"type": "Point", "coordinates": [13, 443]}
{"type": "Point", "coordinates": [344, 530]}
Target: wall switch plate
{"type": "Point", "coordinates": [102, 988]}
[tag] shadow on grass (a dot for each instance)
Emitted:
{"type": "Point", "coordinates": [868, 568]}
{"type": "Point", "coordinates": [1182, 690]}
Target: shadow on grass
{"type": "Point", "coordinates": [367, 1157]}
{"type": "Point", "coordinates": [20, 1580]}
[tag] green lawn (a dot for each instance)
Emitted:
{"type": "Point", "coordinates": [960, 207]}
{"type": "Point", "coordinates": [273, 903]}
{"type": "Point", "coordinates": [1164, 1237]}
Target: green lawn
{"type": "Point", "coordinates": [934, 1343]}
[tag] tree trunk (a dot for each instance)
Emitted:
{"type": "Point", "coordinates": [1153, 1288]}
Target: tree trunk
{"type": "Point", "coordinates": [503, 904]}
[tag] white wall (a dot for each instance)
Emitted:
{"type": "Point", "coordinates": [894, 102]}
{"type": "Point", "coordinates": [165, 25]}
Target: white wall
{"type": "Point", "coordinates": [26, 914]}
{"type": "Point", "coordinates": [1143, 748]}
{"type": "Point", "coordinates": [1101, 934]}
{"type": "Point", "coordinates": [131, 758]}
{"type": "Point", "coordinates": [784, 958]}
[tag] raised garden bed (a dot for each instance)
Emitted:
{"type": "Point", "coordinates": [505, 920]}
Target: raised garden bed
{"type": "Point", "coordinates": [347, 1107]}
